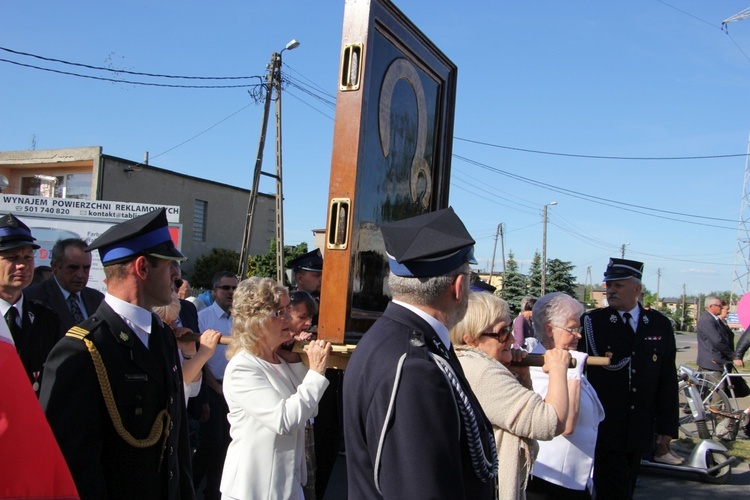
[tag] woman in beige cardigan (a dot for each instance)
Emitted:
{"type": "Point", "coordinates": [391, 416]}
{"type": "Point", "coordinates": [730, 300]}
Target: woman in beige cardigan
{"type": "Point", "coordinates": [518, 415]}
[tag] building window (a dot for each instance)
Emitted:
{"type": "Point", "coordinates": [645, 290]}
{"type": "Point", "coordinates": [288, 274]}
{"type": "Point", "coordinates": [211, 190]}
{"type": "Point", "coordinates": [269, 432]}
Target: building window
{"type": "Point", "coordinates": [61, 186]}
{"type": "Point", "coordinates": [200, 209]}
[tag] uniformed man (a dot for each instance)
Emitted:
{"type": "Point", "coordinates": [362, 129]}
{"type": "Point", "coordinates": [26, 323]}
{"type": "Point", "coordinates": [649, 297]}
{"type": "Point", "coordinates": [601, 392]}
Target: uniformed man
{"type": "Point", "coordinates": [413, 428]}
{"type": "Point", "coordinates": [113, 393]}
{"type": "Point", "coordinates": [307, 270]}
{"type": "Point", "coordinates": [638, 390]}
{"type": "Point", "coordinates": [33, 325]}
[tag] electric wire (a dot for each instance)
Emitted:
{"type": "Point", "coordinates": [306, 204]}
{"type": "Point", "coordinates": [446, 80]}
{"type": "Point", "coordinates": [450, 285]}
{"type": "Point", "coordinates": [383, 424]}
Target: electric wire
{"type": "Point", "coordinates": [131, 82]}
{"type": "Point", "coordinates": [595, 199]}
{"type": "Point", "coordinates": [137, 73]}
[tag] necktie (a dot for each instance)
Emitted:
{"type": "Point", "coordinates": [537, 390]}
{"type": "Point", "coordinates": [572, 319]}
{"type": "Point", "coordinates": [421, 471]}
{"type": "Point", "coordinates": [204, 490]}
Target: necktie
{"type": "Point", "coordinates": [11, 317]}
{"type": "Point", "coordinates": [628, 318]}
{"type": "Point", "coordinates": [75, 309]}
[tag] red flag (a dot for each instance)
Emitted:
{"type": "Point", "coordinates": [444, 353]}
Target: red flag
{"type": "Point", "coordinates": [31, 463]}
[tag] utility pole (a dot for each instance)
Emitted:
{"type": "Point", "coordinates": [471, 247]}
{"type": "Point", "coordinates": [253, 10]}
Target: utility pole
{"type": "Point", "coordinates": [273, 81]}
{"type": "Point", "coordinates": [622, 250]}
{"type": "Point", "coordinates": [502, 247]}
{"type": "Point", "coordinates": [658, 282]}
{"type": "Point", "coordinates": [682, 321]}
{"type": "Point", "coordinates": [494, 250]}
{"type": "Point", "coordinates": [544, 247]}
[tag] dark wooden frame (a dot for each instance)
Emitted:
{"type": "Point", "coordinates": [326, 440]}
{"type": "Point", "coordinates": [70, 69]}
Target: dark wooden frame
{"type": "Point", "coordinates": [391, 155]}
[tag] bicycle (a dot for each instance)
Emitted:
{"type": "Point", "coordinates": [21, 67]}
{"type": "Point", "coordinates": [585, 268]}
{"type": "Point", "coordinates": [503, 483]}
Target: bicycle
{"type": "Point", "coordinates": [722, 413]}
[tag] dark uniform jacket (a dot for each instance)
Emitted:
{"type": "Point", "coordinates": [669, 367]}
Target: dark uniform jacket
{"type": "Point", "coordinates": [715, 343]}
{"type": "Point", "coordinates": [639, 389]}
{"type": "Point", "coordinates": [144, 382]}
{"type": "Point", "coordinates": [48, 292]}
{"type": "Point", "coordinates": [39, 334]}
{"type": "Point", "coordinates": [189, 316]}
{"type": "Point", "coordinates": [424, 452]}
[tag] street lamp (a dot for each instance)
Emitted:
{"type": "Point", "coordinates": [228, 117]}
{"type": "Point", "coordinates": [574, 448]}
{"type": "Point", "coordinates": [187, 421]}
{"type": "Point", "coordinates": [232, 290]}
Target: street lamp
{"type": "Point", "coordinates": [273, 81]}
{"type": "Point", "coordinates": [544, 247]}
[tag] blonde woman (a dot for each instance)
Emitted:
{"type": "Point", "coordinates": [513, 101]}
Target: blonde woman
{"type": "Point", "coordinates": [270, 395]}
{"type": "Point", "coordinates": [518, 415]}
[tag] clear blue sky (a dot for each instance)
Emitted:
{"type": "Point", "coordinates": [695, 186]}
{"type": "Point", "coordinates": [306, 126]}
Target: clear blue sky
{"type": "Point", "coordinates": [618, 79]}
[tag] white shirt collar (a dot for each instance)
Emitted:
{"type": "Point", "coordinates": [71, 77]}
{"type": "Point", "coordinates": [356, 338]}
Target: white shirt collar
{"type": "Point", "coordinates": [64, 291]}
{"type": "Point", "coordinates": [441, 330]}
{"type": "Point", "coordinates": [132, 314]}
{"type": "Point", "coordinates": [218, 311]}
{"type": "Point", "coordinates": [4, 306]}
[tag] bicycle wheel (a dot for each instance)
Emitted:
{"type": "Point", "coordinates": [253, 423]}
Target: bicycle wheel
{"type": "Point", "coordinates": [715, 408]}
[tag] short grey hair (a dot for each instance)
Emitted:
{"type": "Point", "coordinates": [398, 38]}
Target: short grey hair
{"type": "Point", "coordinates": [710, 300]}
{"type": "Point", "coordinates": [554, 308]}
{"type": "Point", "coordinates": [422, 291]}
{"type": "Point", "coordinates": [527, 303]}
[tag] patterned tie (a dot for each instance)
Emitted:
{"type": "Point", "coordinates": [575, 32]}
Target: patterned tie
{"type": "Point", "coordinates": [75, 309]}
{"type": "Point", "coordinates": [11, 317]}
{"type": "Point", "coordinates": [628, 317]}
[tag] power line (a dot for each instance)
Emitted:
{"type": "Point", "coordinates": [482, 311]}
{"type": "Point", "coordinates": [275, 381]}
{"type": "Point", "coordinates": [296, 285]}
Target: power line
{"type": "Point", "coordinates": [595, 199]}
{"type": "Point", "coordinates": [156, 75]}
{"type": "Point", "coordinates": [115, 80]}
{"type": "Point", "coordinates": [601, 157]}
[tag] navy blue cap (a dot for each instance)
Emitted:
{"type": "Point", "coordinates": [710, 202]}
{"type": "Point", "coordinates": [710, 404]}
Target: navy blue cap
{"type": "Point", "coordinates": [14, 233]}
{"type": "Point", "coordinates": [482, 286]}
{"type": "Point", "coordinates": [622, 269]}
{"type": "Point", "coordinates": [431, 244]}
{"type": "Point", "coordinates": [147, 234]}
{"type": "Point", "coordinates": [311, 261]}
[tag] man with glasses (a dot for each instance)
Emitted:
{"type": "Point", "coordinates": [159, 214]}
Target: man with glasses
{"type": "Point", "coordinates": [208, 460]}
{"type": "Point", "coordinates": [638, 390]}
{"type": "Point", "coordinates": [715, 347]}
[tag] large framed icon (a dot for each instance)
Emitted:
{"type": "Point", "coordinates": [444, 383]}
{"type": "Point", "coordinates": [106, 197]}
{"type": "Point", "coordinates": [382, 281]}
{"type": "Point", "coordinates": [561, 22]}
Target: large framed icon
{"type": "Point", "coordinates": [391, 156]}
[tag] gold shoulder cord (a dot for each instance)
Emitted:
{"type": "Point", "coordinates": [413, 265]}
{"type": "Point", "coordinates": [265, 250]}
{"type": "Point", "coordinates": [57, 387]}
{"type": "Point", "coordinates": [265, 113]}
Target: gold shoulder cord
{"type": "Point", "coordinates": [163, 419]}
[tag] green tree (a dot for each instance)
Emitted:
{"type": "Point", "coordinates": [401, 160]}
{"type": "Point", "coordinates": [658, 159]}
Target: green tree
{"type": "Point", "coordinates": [535, 275]}
{"type": "Point", "coordinates": [559, 278]}
{"type": "Point", "coordinates": [264, 265]}
{"type": "Point", "coordinates": [649, 299]}
{"type": "Point", "coordinates": [515, 285]}
{"type": "Point", "coordinates": [219, 259]}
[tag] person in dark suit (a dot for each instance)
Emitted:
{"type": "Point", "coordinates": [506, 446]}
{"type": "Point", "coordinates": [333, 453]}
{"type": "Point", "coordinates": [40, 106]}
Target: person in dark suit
{"type": "Point", "coordinates": [65, 292]}
{"type": "Point", "coordinates": [638, 390]}
{"type": "Point", "coordinates": [715, 345]}
{"type": "Point", "coordinates": [33, 326]}
{"type": "Point", "coordinates": [413, 428]}
{"type": "Point", "coordinates": [114, 392]}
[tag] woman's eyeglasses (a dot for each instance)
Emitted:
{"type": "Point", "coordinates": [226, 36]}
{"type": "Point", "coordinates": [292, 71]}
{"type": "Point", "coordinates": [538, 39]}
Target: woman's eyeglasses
{"type": "Point", "coordinates": [281, 312]}
{"type": "Point", "coordinates": [572, 331]}
{"type": "Point", "coordinates": [501, 336]}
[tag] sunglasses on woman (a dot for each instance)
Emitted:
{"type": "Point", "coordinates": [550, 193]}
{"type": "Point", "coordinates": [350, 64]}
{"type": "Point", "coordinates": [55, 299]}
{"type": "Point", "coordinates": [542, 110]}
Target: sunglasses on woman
{"type": "Point", "coordinates": [501, 336]}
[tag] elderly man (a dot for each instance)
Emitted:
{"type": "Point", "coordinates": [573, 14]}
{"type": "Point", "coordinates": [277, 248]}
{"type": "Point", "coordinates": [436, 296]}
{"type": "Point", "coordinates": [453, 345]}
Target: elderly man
{"type": "Point", "coordinates": [32, 325]}
{"type": "Point", "coordinates": [638, 390]}
{"type": "Point", "coordinates": [66, 292]}
{"type": "Point", "coordinates": [715, 346]}
{"type": "Point", "coordinates": [413, 428]}
{"type": "Point", "coordinates": [113, 393]}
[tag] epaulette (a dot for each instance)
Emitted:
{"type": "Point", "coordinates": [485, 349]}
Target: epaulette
{"type": "Point", "coordinates": [77, 332]}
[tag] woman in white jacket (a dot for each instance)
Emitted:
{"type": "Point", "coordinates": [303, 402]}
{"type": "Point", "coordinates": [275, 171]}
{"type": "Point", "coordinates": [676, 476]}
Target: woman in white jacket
{"type": "Point", "coordinates": [270, 395]}
{"type": "Point", "coordinates": [564, 466]}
